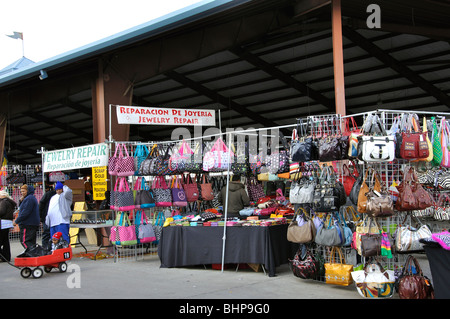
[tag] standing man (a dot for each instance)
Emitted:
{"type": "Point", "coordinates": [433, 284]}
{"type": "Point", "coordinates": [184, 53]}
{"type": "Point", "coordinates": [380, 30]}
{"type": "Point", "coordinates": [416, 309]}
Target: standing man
{"type": "Point", "coordinates": [28, 219]}
{"type": "Point", "coordinates": [59, 211]}
{"type": "Point", "coordinates": [43, 210]}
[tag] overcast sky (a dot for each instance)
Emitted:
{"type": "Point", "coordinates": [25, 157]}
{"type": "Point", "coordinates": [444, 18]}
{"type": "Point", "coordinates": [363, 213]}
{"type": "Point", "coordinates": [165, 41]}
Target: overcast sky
{"type": "Point", "coordinates": [52, 27]}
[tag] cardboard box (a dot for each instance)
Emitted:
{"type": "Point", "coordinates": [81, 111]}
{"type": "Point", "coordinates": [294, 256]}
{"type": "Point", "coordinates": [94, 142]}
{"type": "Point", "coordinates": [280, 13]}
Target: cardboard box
{"type": "Point", "coordinates": [77, 187]}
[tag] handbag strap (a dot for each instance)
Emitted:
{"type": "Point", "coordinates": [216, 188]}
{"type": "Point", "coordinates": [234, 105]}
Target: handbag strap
{"type": "Point", "coordinates": [333, 253]}
{"type": "Point", "coordinates": [407, 268]}
{"type": "Point", "coordinates": [117, 149]}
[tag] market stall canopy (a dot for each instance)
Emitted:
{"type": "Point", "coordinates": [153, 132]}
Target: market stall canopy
{"type": "Point", "coordinates": [261, 63]}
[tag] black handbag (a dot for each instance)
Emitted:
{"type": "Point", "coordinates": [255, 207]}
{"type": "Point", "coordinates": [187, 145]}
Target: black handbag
{"type": "Point", "coordinates": [329, 194]}
{"type": "Point", "coordinates": [301, 148]}
{"type": "Point", "coordinates": [330, 146]}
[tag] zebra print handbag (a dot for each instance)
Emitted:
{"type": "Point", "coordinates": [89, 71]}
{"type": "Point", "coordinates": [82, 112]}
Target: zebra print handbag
{"type": "Point", "coordinates": [442, 209]}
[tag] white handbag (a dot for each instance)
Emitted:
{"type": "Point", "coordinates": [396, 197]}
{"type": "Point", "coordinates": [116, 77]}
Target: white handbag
{"type": "Point", "coordinates": [407, 238]}
{"type": "Point", "coordinates": [374, 281]}
{"type": "Point", "coordinates": [378, 148]}
{"type": "Point", "coordinates": [376, 145]}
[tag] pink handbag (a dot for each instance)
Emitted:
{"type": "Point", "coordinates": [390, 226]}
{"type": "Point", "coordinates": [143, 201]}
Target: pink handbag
{"type": "Point", "coordinates": [218, 158]}
{"type": "Point", "coordinates": [123, 232]}
{"type": "Point", "coordinates": [125, 164]}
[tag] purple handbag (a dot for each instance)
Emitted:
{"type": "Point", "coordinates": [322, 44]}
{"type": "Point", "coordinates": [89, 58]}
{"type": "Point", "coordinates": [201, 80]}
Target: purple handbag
{"type": "Point", "coordinates": [178, 194]}
{"type": "Point", "coordinates": [255, 189]}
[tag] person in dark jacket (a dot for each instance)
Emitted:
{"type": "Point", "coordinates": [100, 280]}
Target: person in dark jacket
{"type": "Point", "coordinates": [43, 210]}
{"type": "Point", "coordinates": [28, 219]}
{"type": "Point", "coordinates": [7, 208]}
{"type": "Point", "coordinates": [237, 196]}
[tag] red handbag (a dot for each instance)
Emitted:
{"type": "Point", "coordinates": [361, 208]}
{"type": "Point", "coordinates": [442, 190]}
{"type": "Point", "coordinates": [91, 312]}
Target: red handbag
{"type": "Point", "coordinates": [191, 189]}
{"type": "Point", "coordinates": [411, 194]}
{"type": "Point", "coordinates": [414, 144]}
{"type": "Point", "coordinates": [348, 179]}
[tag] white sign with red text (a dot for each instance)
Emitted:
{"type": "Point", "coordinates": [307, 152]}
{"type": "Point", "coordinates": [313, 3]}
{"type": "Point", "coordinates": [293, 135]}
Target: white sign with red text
{"type": "Point", "coordinates": [164, 116]}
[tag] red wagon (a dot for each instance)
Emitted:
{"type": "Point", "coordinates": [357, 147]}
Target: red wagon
{"type": "Point", "coordinates": [57, 259]}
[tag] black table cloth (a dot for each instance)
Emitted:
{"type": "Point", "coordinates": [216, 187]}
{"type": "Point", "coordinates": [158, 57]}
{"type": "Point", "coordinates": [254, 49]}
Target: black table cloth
{"type": "Point", "coordinates": [200, 245]}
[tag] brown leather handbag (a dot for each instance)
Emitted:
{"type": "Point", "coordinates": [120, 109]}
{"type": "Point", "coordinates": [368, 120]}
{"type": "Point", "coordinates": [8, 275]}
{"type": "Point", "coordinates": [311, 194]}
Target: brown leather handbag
{"type": "Point", "coordinates": [411, 194]}
{"type": "Point", "coordinates": [379, 203]}
{"type": "Point", "coordinates": [362, 196]}
{"type": "Point", "coordinates": [414, 285]}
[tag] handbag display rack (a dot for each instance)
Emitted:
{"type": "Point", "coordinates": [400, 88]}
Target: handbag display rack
{"type": "Point", "coordinates": [351, 167]}
{"type": "Point", "coordinates": [392, 174]}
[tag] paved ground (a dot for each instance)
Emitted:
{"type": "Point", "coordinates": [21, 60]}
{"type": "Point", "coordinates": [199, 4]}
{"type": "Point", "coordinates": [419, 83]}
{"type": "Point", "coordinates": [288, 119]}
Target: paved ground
{"type": "Point", "coordinates": [143, 278]}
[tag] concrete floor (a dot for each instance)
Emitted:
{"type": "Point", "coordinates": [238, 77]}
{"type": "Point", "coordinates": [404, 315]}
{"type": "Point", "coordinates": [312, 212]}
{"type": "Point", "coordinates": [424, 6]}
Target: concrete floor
{"type": "Point", "coordinates": [144, 279]}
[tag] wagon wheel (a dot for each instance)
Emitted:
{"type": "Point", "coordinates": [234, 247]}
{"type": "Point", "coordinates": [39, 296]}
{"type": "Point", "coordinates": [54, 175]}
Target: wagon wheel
{"type": "Point", "coordinates": [62, 267]}
{"type": "Point", "coordinates": [37, 272]}
{"type": "Point", "coordinates": [25, 272]}
{"type": "Point", "coordinates": [47, 269]}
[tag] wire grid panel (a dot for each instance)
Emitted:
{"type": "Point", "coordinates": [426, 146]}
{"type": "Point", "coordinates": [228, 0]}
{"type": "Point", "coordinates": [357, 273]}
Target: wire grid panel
{"type": "Point", "coordinates": [140, 250]}
{"type": "Point", "coordinates": [390, 174]}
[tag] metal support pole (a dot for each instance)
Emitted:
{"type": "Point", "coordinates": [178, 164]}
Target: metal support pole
{"type": "Point", "coordinates": [338, 58]}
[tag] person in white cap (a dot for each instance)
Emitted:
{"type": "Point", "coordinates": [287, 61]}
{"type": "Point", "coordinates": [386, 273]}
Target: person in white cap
{"type": "Point", "coordinates": [59, 211]}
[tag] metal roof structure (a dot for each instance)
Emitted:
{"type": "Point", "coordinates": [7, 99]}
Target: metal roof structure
{"type": "Point", "coordinates": [261, 63]}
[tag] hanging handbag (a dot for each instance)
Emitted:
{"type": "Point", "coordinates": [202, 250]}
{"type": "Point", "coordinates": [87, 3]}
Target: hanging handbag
{"type": "Point", "coordinates": [301, 146]}
{"type": "Point", "coordinates": [158, 224]}
{"type": "Point", "coordinates": [430, 145]}
{"type": "Point", "coordinates": [161, 166]}
{"type": "Point", "coordinates": [112, 167]}
{"type": "Point", "coordinates": [301, 233]}
{"type": "Point", "coordinates": [347, 231]}
{"type": "Point", "coordinates": [206, 188]}
{"type": "Point", "coordinates": [349, 178]}
{"type": "Point", "coordinates": [379, 203]}
{"type": "Point", "coordinates": [124, 163]}
{"type": "Point", "coordinates": [19, 178]}
{"type": "Point", "coordinates": [445, 141]}
{"type": "Point", "coordinates": [338, 273]}
{"type": "Point", "coordinates": [162, 194]}
{"type": "Point", "coordinates": [123, 233]}
{"type": "Point", "coordinates": [240, 160]}
{"type": "Point", "coordinates": [364, 189]}
{"type": "Point", "coordinates": [407, 237]}
{"type": "Point", "coordinates": [178, 195]}
{"type": "Point", "coordinates": [329, 144]}
{"type": "Point", "coordinates": [412, 284]}
{"type": "Point", "coordinates": [191, 189]}
{"type": "Point", "coordinates": [353, 135]}
{"type": "Point", "coordinates": [145, 232]}
{"type": "Point", "coordinates": [331, 234]}
{"type": "Point", "coordinates": [304, 264]}
{"type": "Point", "coordinates": [442, 208]}
{"type": "Point", "coordinates": [218, 158]}
{"type": "Point", "coordinates": [122, 197]}
{"type": "Point", "coordinates": [362, 229]}
{"type": "Point", "coordinates": [374, 281]}
{"type": "Point", "coordinates": [436, 142]}
{"type": "Point", "coordinates": [144, 197]}
{"type": "Point", "coordinates": [140, 154]}
{"type": "Point", "coordinates": [147, 164]}
{"type": "Point", "coordinates": [180, 157]}
{"type": "Point", "coordinates": [371, 245]}
{"type": "Point", "coordinates": [414, 145]}
{"type": "Point", "coordinates": [255, 189]}
{"type": "Point", "coordinates": [278, 161]}
{"type": "Point", "coordinates": [412, 196]}
{"type": "Point", "coordinates": [375, 145]}
{"type": "Point", "coordinates": [329, 194]}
